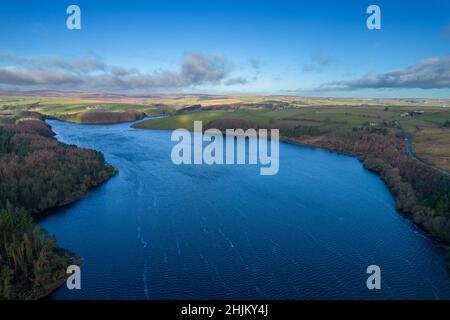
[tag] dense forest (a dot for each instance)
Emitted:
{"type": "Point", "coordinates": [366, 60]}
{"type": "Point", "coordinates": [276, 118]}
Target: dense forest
{"type": "Point", "coordinates": [104, 117]}
{"type": "Point", "coordinates": [31, 265]}
{"type": "Point", "coordinates": [37, 173]}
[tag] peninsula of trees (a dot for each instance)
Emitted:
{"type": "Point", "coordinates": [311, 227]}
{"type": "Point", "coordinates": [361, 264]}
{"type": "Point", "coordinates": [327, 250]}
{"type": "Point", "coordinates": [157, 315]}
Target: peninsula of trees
{"type": "Point", "coordinates": [38, 173]}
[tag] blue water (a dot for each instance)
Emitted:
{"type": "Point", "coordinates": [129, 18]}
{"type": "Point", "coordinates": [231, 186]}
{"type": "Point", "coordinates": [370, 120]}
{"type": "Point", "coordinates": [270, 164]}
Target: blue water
{"type": "Point", "coordinates": [161, 231]}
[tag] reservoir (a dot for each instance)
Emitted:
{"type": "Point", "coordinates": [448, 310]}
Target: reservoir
{"type": "Point", "coordinates": [161, 231]}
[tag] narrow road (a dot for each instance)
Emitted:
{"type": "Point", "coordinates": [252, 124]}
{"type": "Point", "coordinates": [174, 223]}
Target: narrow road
{"type": "Point", "coordinates": [409, 142]}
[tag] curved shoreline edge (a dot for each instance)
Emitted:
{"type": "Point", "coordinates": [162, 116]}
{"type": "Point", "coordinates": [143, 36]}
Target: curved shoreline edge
{"type": "Point", "coordinates": [52, 174]}
{"type": "Point", "coordinates": [413, 209]}
{"type": "Point", "coordinates": [73, 257]}
{"type": "Point", "coordinates": [407, 214]}
{"type": "Point", "coordinates": [285, 139]}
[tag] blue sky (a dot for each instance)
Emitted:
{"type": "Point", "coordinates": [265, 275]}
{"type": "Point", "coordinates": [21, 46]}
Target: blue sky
{"type": "Point", "coordinates": [320, 48]}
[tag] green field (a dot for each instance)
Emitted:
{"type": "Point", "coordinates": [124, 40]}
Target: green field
{"type": "Point", "coordinates": [342, 117]}
{"type": "Point", "coordinates": [430, 130]}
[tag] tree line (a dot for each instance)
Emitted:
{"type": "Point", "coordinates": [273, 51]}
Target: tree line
{"type": "Point", "coordinates": [37, 173]}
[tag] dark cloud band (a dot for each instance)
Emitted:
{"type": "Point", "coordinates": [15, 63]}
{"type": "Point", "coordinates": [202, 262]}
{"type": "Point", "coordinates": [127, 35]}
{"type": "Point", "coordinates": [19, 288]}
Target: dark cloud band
{"type": "Point", "coordinates": [94, 74]}
{"type": "Point", "coordinates": [433, 73]}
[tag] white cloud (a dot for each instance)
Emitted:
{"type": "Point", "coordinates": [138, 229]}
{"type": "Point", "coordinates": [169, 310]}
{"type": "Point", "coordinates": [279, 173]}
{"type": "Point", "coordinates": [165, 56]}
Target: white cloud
{"type": "Point", "coordinates": [94, 74]}
{"type": "Point", "coordinates": [432, 73]}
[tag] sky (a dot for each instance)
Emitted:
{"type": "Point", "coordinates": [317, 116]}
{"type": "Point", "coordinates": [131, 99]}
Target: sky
{"type": "Point", "coordinates": [314, 48]}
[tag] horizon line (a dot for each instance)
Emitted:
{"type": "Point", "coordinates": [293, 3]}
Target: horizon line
{"type": "Point", "coordinates": [144, 95]}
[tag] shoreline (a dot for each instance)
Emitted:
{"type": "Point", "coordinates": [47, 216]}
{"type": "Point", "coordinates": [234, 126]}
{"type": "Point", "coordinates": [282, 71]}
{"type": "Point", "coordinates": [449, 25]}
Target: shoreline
{"type": "Point", "coordinates": [409, 214]}
{"type": "Point", "coordinates": [49, 211]}
{"type": "Point", "coordinates": [285, 139]}
{"type": "Point", "coordinates": [297, 141]}
{"type": "Point", "coordinates": [100, 118]}
{"type": "Point", "coordinates": [87, 169]}
{"type": "Point", "coordinates": [74, 258]}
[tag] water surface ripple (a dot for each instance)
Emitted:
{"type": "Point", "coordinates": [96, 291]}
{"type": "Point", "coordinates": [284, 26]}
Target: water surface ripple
{"type": "Point", "coordinates": [160, 231]}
